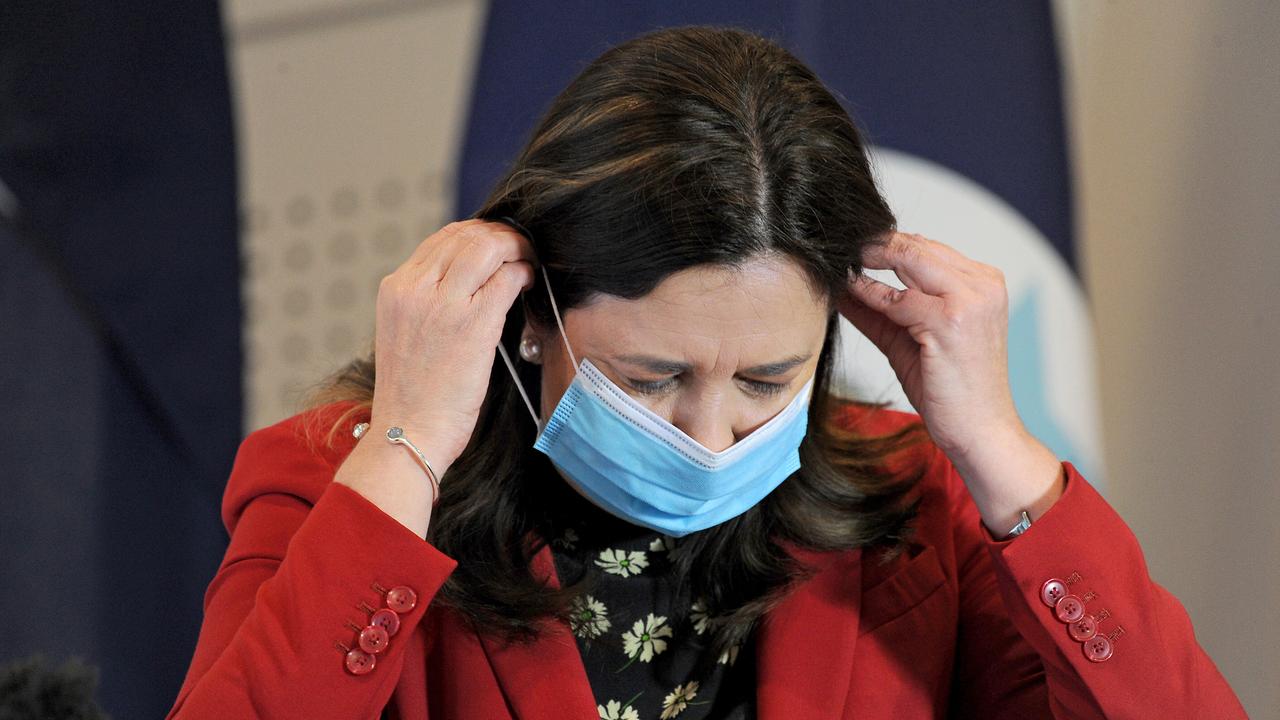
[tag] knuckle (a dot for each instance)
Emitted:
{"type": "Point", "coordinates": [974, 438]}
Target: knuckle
{"type": "Point", "coordinates": [955, 317]}
{"type": "Point", "coordinates": [920, 243]}
{"type": "Point", "coordinates": [425, 243]}
{"type": "Point", "coordinates": [471, 246]}
{"type": "Point", "coordinates": [1002, 299]}
{"type": "Point", "coordinates": [910, 251]}
{"type": "Point", "coordinates": [521, 270]}
{"type": "Point", "coordinates": [492, 251]}
{"type": "Point", "coordinates": [458, 230]}
{"type": "Point", "coordinates": [388, 284]}
{"type": "Point", "coordinates": [933, 244]}
{"type": "Point", "coordinates": [513, 276]}
{"type": "Point", "coordinates": [459, 225]}
{"type": "Point", "coordinates": [997, 289]}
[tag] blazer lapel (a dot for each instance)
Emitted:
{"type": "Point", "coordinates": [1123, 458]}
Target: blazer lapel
{"type": "Point", "coordinates": [804, 646]}
{"type": "Point", "coordinates": [546, 678]}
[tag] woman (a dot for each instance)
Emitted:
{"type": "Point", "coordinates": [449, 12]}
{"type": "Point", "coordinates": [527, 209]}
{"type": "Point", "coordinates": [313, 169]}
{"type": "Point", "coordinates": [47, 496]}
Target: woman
{"type": "Point", "coordinates": [658, 509]}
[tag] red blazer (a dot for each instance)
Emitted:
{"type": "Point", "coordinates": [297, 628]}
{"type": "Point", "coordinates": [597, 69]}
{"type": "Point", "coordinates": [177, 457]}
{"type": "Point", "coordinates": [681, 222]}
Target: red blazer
{"type": "Point", "coordinates": [955, 628]}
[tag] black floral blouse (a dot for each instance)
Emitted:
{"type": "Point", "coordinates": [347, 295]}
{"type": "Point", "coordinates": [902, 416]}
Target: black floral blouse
{"type": "Point", "coordinates": [644, 643]}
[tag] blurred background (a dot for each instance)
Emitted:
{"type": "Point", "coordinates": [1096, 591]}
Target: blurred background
{"type": "Point", "coordinates": [197, 202]}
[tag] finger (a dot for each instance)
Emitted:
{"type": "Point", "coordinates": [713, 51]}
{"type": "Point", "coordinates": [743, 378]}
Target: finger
{"type": "Point", "coordinates": [916, 263]}
{"type": "Point", "coordinates": [505, 284]}
{"type": "Point", "coordinates": [485, 251]}
{"type": "Point", "coordinates": [434, 241]}
{"type": "Point", "coordinates": [905, 308]}
{"type": "Point", "coordinates": [873, 325]}
{"type": "Point", "coordinates": [957, 259]}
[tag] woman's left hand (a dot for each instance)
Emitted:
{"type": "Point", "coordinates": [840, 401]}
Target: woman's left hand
{"type": "Point", "coordinates": [946, 337]}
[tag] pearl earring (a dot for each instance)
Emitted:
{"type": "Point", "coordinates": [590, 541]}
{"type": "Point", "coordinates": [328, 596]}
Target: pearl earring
{"type": "Point", "coordinates": [530, 349]}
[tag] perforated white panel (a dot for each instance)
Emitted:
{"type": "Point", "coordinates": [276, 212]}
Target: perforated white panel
{"type": "Point", "coordinates": [348, 121]}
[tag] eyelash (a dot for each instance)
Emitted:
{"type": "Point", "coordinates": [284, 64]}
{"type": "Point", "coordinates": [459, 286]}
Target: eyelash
{"type": "Point", "coordinates": [765, 389]}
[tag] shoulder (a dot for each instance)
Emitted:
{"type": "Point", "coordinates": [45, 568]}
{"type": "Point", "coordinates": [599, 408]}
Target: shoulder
{"type": "Point", "coordinates": [291, 457]}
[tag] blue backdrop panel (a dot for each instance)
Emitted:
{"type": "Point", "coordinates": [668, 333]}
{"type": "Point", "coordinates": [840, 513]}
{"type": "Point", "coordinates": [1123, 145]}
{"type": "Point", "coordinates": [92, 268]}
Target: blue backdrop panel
{"type": "Point", "coordinates": [974, 87]}
{"type": "Point", "coordinates": [121, 335]}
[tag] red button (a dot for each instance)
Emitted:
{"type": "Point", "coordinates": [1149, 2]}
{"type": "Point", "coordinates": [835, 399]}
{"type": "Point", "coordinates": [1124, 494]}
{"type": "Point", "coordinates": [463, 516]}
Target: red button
{"type": "Point", "coordinates": [1052, 591]}
{"type": "Point", "coordinates": [401, 599]}
{"type": "Point", "coordinates": [359, 662]}
{"type": "Point", "coordinates": [1084, 628]}
{"type": "Point", "coordinates": [1098, 648]}
{"type": "Point", "coordinates": [1069, 609]}
{"type": "Point", "coordinates": [387, 620]}
{"type": "Point", "coordinates": [373, 639]}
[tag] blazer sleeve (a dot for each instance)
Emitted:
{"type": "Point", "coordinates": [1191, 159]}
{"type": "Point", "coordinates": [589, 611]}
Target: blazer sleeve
{"type": "Point", "coordinates": [303, 561]}
{"type": "Point", "coordinates": [1017, 659]}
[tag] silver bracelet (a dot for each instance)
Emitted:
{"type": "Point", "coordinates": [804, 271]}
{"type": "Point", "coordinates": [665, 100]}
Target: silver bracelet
{"type": "Point", "coordinates": [395, 435]}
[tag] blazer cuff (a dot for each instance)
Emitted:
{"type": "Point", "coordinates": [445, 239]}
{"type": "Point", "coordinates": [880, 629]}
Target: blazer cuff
{"type": "Point", "coordinates": [354, 556]}
{"type": "Point", "coordinates": [1118, 630]}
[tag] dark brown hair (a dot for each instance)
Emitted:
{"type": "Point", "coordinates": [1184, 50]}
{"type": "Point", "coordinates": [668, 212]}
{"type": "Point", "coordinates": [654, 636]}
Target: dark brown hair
{"type": "Point", "coordinates": [681, 147]}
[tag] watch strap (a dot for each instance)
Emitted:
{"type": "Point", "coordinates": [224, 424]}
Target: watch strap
{"type": "Point", "coordinates": [1020, 528]}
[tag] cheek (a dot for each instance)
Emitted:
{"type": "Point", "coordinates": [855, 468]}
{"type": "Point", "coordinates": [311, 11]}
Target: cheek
{"type": "Point", "coordinates": [557, 373]}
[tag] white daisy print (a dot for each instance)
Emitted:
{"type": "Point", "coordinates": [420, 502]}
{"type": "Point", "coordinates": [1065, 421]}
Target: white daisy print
{"type": "Point", "coordinates": [615, 711]}
{"type": "Point", "coordinates": [730, 656]}
{"type": "Point", "coordinates": [623, 562]}
{"type": "Point", "coordinates": [662, 543]}
{"type": "Point", "coordinates": [644, 639]}
{"type": "Point", "coordinates": [698, 614]}
{"type": "Point", "coordinates": [677, 700]}
{"type": "Point", "coordinates": [588, 617]}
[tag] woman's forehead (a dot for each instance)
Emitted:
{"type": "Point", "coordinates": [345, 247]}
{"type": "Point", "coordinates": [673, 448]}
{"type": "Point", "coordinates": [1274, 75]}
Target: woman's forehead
{"type": "Point", "coordinates": [764, 308]}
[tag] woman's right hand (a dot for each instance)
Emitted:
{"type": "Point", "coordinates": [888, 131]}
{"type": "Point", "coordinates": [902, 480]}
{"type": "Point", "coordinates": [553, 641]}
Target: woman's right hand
{"type": "Point", "coordinates": [439, 320]}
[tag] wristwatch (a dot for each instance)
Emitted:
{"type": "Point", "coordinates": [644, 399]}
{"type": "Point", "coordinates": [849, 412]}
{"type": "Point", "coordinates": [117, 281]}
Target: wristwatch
{"type": "Point", "coordinates": [1020, 528]}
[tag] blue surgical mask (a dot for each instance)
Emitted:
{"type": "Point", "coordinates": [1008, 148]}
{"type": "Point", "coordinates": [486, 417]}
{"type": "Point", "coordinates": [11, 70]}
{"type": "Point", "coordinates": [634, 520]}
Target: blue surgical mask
{"type": "Point", "coordinates": [641, 468]}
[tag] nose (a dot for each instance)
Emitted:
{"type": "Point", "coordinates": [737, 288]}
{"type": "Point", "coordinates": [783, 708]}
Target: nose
{"type": "Point", "coordinates": [715, 441]}
{"type": "Point", "coordinates": [711, 431]}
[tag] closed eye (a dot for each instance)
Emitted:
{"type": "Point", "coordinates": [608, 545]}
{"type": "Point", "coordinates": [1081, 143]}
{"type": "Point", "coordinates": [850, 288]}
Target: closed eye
{"type": "Point", "coordinates": [656, 387]}
{"type": "Point", "coordinates": [765, 388]}
{"type": "Point", "coordinates": [651, 387]}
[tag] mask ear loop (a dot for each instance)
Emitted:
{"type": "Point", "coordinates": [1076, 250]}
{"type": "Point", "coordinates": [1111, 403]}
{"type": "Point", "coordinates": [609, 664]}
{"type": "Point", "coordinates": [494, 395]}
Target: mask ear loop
{"type": "Point", "coordinates": [519, 385]}
{"type": "Point", "coordinates": [556, 311]}
{"type": "Point", "coordinates": [511, 368]}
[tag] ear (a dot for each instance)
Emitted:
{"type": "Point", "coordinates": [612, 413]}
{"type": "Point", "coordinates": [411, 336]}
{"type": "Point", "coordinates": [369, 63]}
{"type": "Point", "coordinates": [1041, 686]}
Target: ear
{"type": "Point", "coordinates": [531, 324]}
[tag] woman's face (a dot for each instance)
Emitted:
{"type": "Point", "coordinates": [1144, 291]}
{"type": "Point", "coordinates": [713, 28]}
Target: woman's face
{"type": "Point", "coordinates": [716, 352]}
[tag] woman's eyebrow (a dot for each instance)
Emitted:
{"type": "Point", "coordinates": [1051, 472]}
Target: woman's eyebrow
{"type": "Point", "coordinates": [777, 368]}
{"type": "Point", "coordinates": [674, 367]}
{"type": "Point", "coordinates": [656, 364]}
